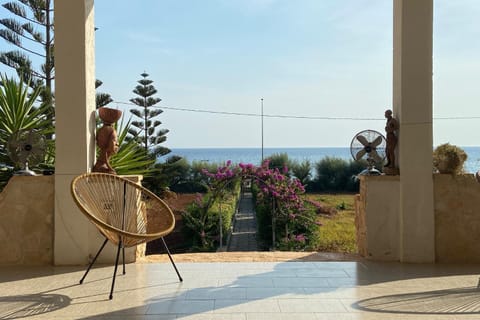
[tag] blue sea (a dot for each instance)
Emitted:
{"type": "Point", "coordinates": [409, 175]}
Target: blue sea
{"type": "Point", "coordinates": [254, 155]}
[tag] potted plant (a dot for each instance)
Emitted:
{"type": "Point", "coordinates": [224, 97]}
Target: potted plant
{"type": "Point", "coordinates": [449, 158]}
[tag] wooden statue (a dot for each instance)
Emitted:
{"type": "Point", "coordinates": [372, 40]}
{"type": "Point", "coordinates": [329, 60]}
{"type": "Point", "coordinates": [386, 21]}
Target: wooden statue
{"type": "Point", "coordinates": [107, 139]}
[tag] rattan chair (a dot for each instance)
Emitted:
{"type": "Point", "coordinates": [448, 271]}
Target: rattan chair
{"type": "Point", "coordinates": [126, 213]}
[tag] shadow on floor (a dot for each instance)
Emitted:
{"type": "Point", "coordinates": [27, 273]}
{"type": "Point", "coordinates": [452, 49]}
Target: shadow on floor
{"type": "Point", "coordinates": [23, 306]}
{"type": "Point", "coordinates": [231, 298]}
{"type": "Point", "coordinates": [451, 301]}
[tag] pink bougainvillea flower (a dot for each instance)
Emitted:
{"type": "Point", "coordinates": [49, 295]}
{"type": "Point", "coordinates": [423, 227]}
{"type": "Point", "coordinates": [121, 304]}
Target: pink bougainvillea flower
{"type": "Point", "coordinates": [300, 237]}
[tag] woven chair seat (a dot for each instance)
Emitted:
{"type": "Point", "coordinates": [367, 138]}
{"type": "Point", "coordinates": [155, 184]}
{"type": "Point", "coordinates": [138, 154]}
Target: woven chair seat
{"type": "Point", "coordinates": [126, 213]}
{"type": "Point", "coordinates": [121, 208]}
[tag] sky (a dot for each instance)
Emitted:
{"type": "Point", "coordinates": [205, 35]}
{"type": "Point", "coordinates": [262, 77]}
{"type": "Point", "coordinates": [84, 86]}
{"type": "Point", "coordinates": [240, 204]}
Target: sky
{"type": "Point", "coordinates": [305, 58]}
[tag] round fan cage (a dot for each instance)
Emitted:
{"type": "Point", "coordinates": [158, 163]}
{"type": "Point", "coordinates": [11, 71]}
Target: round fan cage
{"type": "Point", "coordinates": [26, 148]}
{"type": "Point", "coordinates": [369, 145]}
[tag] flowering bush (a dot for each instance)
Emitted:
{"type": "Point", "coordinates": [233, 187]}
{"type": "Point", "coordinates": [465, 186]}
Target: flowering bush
{"type": "Point", "coordinates": [201, 217]}
{"type": "Point", "coordinates": [280, 209]}
{"type": "Point", "coordinates": [279, 205]}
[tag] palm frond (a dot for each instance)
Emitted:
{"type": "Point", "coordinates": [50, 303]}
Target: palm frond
{"type": "Point", "coordinates": [130, 158]}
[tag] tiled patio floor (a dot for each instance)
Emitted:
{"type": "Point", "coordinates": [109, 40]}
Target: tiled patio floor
{"type": "Point", "coordinates": [244, 290]}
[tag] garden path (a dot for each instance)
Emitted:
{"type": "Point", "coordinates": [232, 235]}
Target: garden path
{"type": "Point", "coordinates": [244, 235]}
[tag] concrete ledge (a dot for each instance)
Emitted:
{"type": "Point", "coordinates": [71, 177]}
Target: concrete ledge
{"type": "Point", "coordinates": [377, 216]}
{"type": "Point", "coordinates": [27, 226]}
{"type": "Point", "coordinates": [457, 218]}
{"type": "Point", "coordinates": [26, 212]}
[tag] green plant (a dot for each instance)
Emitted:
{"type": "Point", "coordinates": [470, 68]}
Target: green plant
{"type": "Point", "coordinates": [130, 157]}
{"type": "Point", "coordinates": [201, 218]}
{"type": "Point", "coordinates": [278, 200]}
{"type": "Point", "coordinates": [17, 113]}
{"type": "Point", "coordinates": [449, 158]}
{"type": "Point", "coordinates": [200, 222]}
{"type": "Point", "coordinates": [302, 171]}
{"type": "Point", "coordinates": [336, 175]}
{"type": "Point", "coordinates": [226, 208]}
{"type": "Point", "coordinates": [278, 161]}
{"type": "Point", "coordinates": [341, 206]}
{"type": "Point", "coordinates": [168, 175]}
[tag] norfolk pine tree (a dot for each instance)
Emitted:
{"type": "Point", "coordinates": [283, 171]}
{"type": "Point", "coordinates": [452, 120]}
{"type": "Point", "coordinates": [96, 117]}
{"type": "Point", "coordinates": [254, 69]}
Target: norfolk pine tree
{"type": "Point", "coordinates": [146, 130]}
{"type": "Point", "coordinates": [32, 35]}
{"type": "Point", "coordinates": [101, 98]}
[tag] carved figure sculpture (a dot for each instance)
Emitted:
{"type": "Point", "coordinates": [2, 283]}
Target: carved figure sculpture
{"type": "Point", "coordinates": [107, 139]}
{"type": "Point", "coordinates": [391, 128]}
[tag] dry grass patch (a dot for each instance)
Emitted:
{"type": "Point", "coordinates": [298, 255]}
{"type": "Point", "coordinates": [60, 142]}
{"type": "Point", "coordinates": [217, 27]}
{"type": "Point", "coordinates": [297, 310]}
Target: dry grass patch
{"type": "Point", "coordinates": [338, 231]}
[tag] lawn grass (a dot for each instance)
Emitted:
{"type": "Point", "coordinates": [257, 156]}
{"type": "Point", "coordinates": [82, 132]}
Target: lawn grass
{"type": "Point", "coordinates": [337, 234]}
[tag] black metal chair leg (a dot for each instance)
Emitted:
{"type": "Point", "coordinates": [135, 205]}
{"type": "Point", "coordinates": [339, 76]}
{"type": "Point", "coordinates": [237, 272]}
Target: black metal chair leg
{"type": "Point", "coordinates": [115, 270]}
{"type": "Point", "coordinates": [123, 258]}
{"type": "Point", "coordinates": [171, 260]}
{"type": "Point", "coordinates": [93, 261]}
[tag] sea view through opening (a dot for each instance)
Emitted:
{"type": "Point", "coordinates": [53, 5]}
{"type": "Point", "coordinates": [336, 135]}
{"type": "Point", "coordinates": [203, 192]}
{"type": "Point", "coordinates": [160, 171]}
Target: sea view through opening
{"type": "Point", "coordinates": [254, 155]}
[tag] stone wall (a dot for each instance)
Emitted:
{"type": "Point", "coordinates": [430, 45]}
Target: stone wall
{"type": "Point", "coordinates": [26, 215]}
{"type": "Point", "coordinates": [27, 225]}
{"type": "Point", "coordinates": [457, 218]}
{"type": "Point", "coordinates": [377, 217]}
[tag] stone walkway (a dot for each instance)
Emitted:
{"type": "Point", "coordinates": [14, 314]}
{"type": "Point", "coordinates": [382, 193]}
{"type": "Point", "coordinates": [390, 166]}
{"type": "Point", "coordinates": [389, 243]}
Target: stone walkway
{"type": "Point", "coordinates": [244, 233]}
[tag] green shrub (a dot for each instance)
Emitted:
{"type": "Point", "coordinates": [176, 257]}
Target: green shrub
{"type": "Point", "coordinates": [264, 225]}
{"type": "Point", "coordinates": [295, 227]}
{"type": "Point", "coordinates": [227, 208]}
{"type": "Point", "coordinates": [279, 161]}
{"type": "Point", "coordinates": [336, 175]}
{"type": "Point", "coordinates": [302, 171]}
{"type": "Point", "coordinates": [200, 224]}
{"type": "Point", "coordinates": [202, 218]}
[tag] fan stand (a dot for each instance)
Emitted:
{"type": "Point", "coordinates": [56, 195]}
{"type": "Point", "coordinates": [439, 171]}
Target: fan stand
{"type": "Point", "coordinates": [370, 170]}
{"type": "Point", "coordinates": [25, 172]}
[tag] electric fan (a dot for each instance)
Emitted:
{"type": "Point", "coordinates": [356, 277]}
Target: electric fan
{"type": "Point", "coordinates": [369, 145]}
{"type": "Point", "coordinates": [26, 147]}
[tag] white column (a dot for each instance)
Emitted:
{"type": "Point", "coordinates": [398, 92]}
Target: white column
{"type": "Point", "coordinates": [412, 106]}
{"type": "Point", "coordinates": [75, 123]}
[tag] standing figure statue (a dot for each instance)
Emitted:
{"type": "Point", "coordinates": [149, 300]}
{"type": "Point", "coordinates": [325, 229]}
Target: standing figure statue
{"type": "Point", "coordinates": [107, 139]}
{"type": "Point", "coordinates": [391, 128]}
